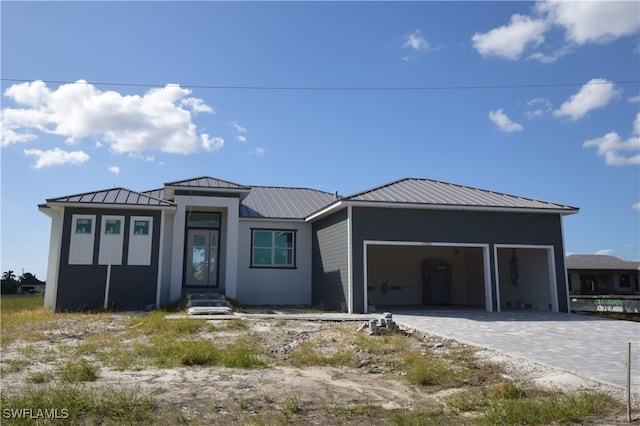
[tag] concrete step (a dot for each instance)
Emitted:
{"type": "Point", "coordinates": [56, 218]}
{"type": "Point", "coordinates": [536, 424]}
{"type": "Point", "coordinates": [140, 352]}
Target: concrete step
{"type": "Point", "coordinates": [208, 304]}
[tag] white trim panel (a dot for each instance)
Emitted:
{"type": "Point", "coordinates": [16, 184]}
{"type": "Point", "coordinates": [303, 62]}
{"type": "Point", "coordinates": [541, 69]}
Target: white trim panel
{"type": "Point", "coordinates": [110, 252]}
{"type": "Point", "coordinates": [140, 244]}
{"type": "Point", "coordinates": [81, 244]}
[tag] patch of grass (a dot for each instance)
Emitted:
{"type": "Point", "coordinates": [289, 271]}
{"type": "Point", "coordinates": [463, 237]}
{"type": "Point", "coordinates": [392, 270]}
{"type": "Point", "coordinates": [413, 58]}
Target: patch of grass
{"type": "Point", "coordinates": [12, 365]}
{"type": "Point", "coordinates": [428, 370]}
{"type": "Point", "coordinates": [307, 354]}
{"type": "Point", "coordinates": [198, 352]}
{"type": "Point", "coordinates": [419, 418]}
{"type": "Point", "coordinates": [11, 303]}
{"type": "Point", "coordinates": [92, 345]}
{"type": "Point", "coordinates": [40, 377]}
{"type": "Point", "coordinates": [381, 345]}
{"type": "Point", "coordinates": [79, 371]}
{"type": "Point", "coordinates": [22, 316]}
{"type": "Point", "coordinates": [289, 408]}
{"type": "Point", "coordinates": [232, 325]}
{"type": "Point", "coordinates": [545, 407]}
{"type": "Point", "coordinates": [155, 324]}
{"type": "Point", "coordinates": [168, 353]}
{"type": "Point", "coordinates": [244, 352]}
{"type": "Point", "coordinates": [511, 403]}
{"type": "Point", "coordinates": [80, 405]}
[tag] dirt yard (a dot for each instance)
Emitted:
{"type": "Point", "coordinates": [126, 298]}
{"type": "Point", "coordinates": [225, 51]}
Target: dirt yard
{"type": "Point", "coordinates": [287, 387]}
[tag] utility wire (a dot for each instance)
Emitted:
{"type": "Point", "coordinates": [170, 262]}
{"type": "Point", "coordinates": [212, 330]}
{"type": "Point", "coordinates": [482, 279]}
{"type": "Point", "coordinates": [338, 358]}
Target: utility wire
{"type": "Point", "coordinates": [333, 88]}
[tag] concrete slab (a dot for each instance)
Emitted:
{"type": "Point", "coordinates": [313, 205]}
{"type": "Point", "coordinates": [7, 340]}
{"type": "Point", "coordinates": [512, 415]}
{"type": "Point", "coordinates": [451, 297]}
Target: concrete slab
{"type": "Point", "coordinates": [592, 347]}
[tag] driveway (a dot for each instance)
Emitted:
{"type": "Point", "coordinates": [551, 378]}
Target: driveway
{"type": "Point", "coordinates": [585, 345]}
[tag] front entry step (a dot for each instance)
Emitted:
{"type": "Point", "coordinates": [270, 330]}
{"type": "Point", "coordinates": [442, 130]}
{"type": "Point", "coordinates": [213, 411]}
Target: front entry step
{"type": "Point", "coordinates": [208, 304]}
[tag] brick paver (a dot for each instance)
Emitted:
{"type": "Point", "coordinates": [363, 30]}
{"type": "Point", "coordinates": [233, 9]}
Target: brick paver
{"type": "Point", "coordinates": [581, 344]}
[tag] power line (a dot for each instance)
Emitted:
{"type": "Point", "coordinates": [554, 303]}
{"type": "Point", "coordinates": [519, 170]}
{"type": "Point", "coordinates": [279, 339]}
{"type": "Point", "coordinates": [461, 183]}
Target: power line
{"type": "Point", "coordinates": [332, 88]}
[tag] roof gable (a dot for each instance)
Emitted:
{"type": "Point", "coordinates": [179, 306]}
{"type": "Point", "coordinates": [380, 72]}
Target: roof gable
{"type": "Point", "coordinates": [112, 197]}
{"type": "Point", "coordinates": [206, 182]}
{"type": "Point", "coordinates": [432, 192]}
{"type": "Point", "coordinates": [283, 202]}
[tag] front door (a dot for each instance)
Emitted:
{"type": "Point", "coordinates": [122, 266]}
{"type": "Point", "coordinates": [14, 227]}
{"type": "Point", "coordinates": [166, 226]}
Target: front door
{"type": "Point", "coordinates": [202, 258]}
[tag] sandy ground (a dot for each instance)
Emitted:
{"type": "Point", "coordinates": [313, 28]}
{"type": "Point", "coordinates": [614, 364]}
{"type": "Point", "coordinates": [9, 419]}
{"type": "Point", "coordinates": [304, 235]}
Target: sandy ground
{"type": "Point", "coordinates": [207, 393]}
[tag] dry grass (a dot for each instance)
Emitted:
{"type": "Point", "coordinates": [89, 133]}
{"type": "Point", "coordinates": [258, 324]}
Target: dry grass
{"type": "Point", "coordinates": [65, 360]}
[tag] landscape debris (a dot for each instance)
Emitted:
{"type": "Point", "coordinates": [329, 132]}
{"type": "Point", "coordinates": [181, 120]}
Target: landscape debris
{"type": "Point", "coordinates": [383, 325]}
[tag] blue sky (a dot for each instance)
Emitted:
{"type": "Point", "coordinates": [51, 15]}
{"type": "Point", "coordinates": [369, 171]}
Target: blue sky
{"type": "Point", "coordinates": [537, 99]}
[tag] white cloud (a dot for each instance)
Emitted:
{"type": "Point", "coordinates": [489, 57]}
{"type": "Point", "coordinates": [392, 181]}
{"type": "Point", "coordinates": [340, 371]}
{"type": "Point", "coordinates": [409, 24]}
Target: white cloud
{"type": "Point", "coordinates": [114, 169]}
{"type": "Point", "coordinates": [196, 105]}
{"type": "Point", "coordinates": [582, 21]}
{"type": "Point", "coordinates": [258, 151]}
{"type": "Point", "coordinates": [56, 156]}
{"type": "Point", "coordinates": [238, 128]}
{"type": "Point", "coordinates": [613, 149]}
{"type": "Point", "coordinates": [8, 136]}
{"type": "Point", "coordinates": [509, 41]}
{"type": "Point", "coordinates": [240, 131]}
{"type": "Point", "coordinates": [416, 41]}
{"type": "Point", "coordinates": [634, 99]}
{"type": "Point", "coordinates": [538, 107]}
{"type": "Point", "coordinates": [636, 206]}
{"type": "Point", "coordinates": [594, 94]}
{"type": "Point", "coordinates": [503, 122]}
{"type": "Point", "coordinates": [606, 252]}
{"type": "Point", "coordinates": [593, 21]}
{"type": "Point", "coordinates": [211, 144]}
{"type": "Point", "coordinates": [161, 119]}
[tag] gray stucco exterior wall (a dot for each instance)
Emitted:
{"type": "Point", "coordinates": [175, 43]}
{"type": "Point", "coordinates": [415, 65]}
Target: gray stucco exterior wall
{"type": "Point", "coordinates": [330, 272]}
{"type": "Point", "coordinates": [449, 226]}
{"type": "Point", "coordinates": [131, 286]}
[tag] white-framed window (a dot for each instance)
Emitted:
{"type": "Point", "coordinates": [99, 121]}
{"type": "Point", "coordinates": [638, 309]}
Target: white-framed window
{"type": "Point", "coordinates": [273, 248]}
{"type": "Point", "coordinates": [141, 226]}
{"type": "Point", "coordinates": [84, 225]}
{"type": "Point", "coordinates": [113, 226]}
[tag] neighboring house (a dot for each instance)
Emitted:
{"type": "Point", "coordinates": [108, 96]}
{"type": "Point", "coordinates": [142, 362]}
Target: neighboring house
{"type": "Point", "coordinates": [595, 274]}
{"type": "Point", "coordinates": [30, 284]}
{"type": "Point", "coordinates": [410, 242]}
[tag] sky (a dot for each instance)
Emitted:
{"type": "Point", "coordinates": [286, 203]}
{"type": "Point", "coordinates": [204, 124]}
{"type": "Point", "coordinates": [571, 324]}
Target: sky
{"type": "Point", "coordinates": [536, 99]}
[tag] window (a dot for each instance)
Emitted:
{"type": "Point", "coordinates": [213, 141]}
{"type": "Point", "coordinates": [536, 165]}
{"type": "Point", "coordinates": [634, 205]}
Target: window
{"type": "Point", "coordinates": [112, 227]}
{"type": "Point", "coordinates": [203, 220]}
{"type": "Point", "coordinates": [83, 226]}
{"type": "Point", "coordinates": [141, 227]}
{"type": "Point", "coordinates": [273, 248]}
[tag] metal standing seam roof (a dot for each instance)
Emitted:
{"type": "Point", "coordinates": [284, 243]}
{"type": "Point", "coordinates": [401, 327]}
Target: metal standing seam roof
{"type": "Point", "coordinates": [427, 191]}
{"type": "Point", "coordinates": [208, 183]}
{"type": "Point", "coordinates": [113, 196]}
{"type": "Point", "coordinates": [300, 203]}
{"type": "Point", "coordinates": [283, 202]}
{"type": "Point", "coordinates": [600, 261]}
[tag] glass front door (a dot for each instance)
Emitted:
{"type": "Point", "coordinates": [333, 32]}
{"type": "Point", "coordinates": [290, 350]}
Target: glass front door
{"type": "Point", "coordinates": [202, 258]}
